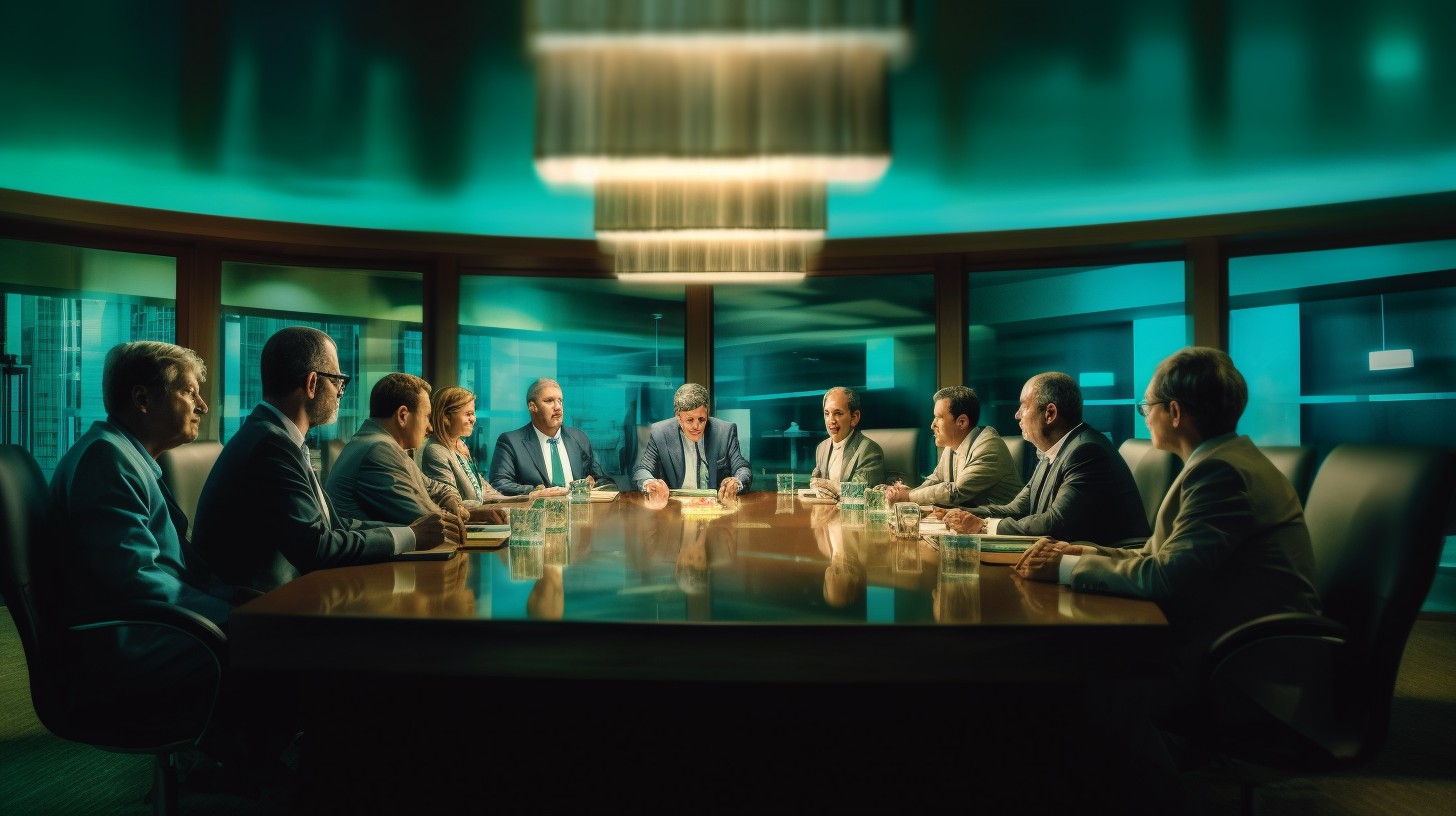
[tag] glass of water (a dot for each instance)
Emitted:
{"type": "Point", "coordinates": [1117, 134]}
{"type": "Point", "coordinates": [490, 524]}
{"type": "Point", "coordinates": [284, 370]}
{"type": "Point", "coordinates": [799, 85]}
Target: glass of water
{"type": "Point", "coordinates": [558, 514]}
{"type": "Point", "coordinates": [580, 491]}
{"type": "Point", "coordinates": [526, 525]}
{"type": "Point", "coordinates": [960, 556]}
{"type": "Point", "coordinates": [786, 482]}
{"type": "Point", "coordinates": [877, 505]}
{"type": "Point", "coordinates": [907, 519]}
{"type": "Point", "coordinates": [852, 495]}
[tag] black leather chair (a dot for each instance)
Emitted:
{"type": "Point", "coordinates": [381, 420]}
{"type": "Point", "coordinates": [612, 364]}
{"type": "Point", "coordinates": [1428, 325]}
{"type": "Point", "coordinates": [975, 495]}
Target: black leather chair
{"type": "Point", "coordinates": [1296, 462]}
{"type": "Point", "coordinates": [1020, 448]}
{"type": "Point", "coordinates": [329, 454]}
{"type": "Point", "coordinates": [1153, 470]}
{"type": "Point", "coordinates": [60, 677]}
{"type": "Point", "coordinates": [1376, 515]}
{"type": "Point", "coordinates": [900, 446]}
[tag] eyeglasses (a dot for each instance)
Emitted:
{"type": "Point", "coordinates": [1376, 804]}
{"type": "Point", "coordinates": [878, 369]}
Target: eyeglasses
{"type": "Point", "coordinates": [1145, 408]}
{"type": "Point", "coordinates": [341, 380]}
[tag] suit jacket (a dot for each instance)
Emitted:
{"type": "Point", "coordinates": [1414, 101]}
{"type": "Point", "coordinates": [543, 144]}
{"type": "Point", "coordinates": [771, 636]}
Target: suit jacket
{"type": "Point", "coordinates": [259, 520]}
{"type": "Point", "coordinates": [664, 458]}
{"type": "Point", "coordinates": [863, 460]}
{"type": "Point", "coordinates": [517, 467]}
{"type": "Point", "coordinates": [1230, 545]}
{"type": "Point", "coordinates": [990, 476]}
{"type": "Point", "coordinates": [440, 464]}
{"type": "Point", "coordinates": [374, 478]}
{"type": "Point", "coordinates": [1086, 494]}
{"type": "Point", "coordinates": [125, 540]}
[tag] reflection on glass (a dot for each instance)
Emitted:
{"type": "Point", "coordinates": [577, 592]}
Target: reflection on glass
{"type": "Point", "coordinates": [777, 349]}
{"type": "Point", "coordinates": [960, 556]}
{"type": "Point", "coordinates": [373, 316]}
{"type": "Point", "coordinates": [616, 350]}
{"type": "Point", "coordinates": [547, 600]}
{"type": "Point", "coordinates": [1108, 327]}
{"type": "Point", "coordinates": [905, 554]}
{"type": "Point", "coordinates": [527, 561]}
{"type": "Point", "coordinates": [557, 546]}
{"type": "Point", "coordinates": [785, 504]}
{"type": "Point", "coordinates": [61, 309]}
{"type": "Point", "coordinates": [956, 601]}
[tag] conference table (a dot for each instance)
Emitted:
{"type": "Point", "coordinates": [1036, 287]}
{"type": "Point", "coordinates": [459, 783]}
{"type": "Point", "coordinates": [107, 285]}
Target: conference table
{"type": "Point", "coordinates": [778, 610]}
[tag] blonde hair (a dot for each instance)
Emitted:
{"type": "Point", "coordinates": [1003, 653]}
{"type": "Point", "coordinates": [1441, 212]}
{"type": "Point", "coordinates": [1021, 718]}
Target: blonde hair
{"type": "Point", "coordinates": [147, 363]}
{"type": "Point", "coordinates": [447, 401]}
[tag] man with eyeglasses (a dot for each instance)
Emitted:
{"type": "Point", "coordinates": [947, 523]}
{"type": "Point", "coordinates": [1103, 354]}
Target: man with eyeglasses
{"type": "Point", "coordinates": [1082, 489]}
{"type": "Point", "coordinates": [263, 518]}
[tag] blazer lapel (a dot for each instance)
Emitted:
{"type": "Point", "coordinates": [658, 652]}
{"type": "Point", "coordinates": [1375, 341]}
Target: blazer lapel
{"type": "Point", "coordinates": [673, 458]}
{"type": "Point", "coordinates": [574, 455]}
{"type": "Point", "coordinates": [533, 450]}
{"type": "Point", "coordinates": [851, 453]}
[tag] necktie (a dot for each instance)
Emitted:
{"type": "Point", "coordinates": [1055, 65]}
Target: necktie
{"type": "Point", "coordinates": [556, 480]}
{"type": "Point", "coordinates": [702, 466]}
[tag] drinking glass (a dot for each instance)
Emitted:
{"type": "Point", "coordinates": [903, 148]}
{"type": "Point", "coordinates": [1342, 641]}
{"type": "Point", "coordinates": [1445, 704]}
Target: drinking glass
{"type": "Point", "coordinates": [786, 482]}
{"type": "Point", "coordinates": [907, 519]}
{"type": "Point", "coordinates": [558, 514]}
{"type": "Point", "coordinates": [580, 491]}
{"type": "Point", "coordinates": [960, 556]}
{"type": "Point", "coordinates": [877, 505]}
{"type": "Point", "coordinates": [526, 525]}
{"type": "Point", "coordinates": [852, 495]}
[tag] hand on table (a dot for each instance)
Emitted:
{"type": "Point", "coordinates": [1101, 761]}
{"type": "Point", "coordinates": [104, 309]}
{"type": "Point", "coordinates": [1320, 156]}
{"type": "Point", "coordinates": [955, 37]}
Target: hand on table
{"type": "Point", "coordinates": [438, 530]}
{"type": "Point", "coordinates": [1043, 560]}
{"type": "Point", "coordinates": [487, 515]}
{"type": "Point", "coordinates": [897, 492]}
{"type": "Point", "coordinates": [825, 487]}
{"type": "Point", "coordinates": [964, 522]}
{"type": "Point", "coordinates": [728, 488]}
{"type": "Point", "coordinates": [655, 489]}
{"type": "Point", "coordinates": [547, 492]}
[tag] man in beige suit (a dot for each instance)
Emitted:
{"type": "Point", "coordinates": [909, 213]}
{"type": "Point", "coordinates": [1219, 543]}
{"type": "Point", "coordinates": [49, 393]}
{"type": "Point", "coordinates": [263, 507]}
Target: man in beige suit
{"type": "Point", "coordinates": [847, 455]}
{"type": "Point", "coordinates": [1229, 544]}
{"type": "Point", "coordinates": [974, 468]}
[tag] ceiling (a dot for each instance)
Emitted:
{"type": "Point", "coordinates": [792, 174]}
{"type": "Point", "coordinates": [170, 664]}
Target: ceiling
{"type": "Point", "coordinates": [421, 116]}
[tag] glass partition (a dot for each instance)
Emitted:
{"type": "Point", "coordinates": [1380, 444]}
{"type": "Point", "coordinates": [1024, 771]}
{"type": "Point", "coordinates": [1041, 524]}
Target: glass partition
{"type": "Point", "coordinates": [64, 307]}
{"type": "Point", "coordinates": [616, 349]}
{"type": "Point", "coordinates": [777, 349]}
{"type": "Point", "coordinates": [373, 316]}
{"type": "Point", "coordinates": [1106, 326]}
{"type": "Point", "coordinates": [1350, 345]}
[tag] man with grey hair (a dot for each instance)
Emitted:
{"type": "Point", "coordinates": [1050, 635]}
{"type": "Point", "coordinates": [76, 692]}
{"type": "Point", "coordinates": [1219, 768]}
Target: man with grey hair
{"type": "Point", "coordinates": [847, 455]}
{"type": "Point", "coordinates": [1082, 489]}
{"type": "Point", "coordinates": [692, 451]}
{"type": "Point", "coordinates": [974, 465]}
{"type": "Point", "coordinates": [263, 518]}
{"type": "Point", "coordinates": [543, 456]}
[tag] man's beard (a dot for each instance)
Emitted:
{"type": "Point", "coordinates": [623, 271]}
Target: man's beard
{"type": "Point", "coordinates": [322, 411]}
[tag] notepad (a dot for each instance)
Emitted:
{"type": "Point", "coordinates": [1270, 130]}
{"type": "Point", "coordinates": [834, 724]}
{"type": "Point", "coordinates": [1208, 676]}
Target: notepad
{"type": "Point", "coordinates": [691, 494]}
{"type": "Point", "coordinates": [474, 531]}
{"type": "Point", "coordinates": [809, 495]}
{"type": "Point", "coordinates": [603, 496]}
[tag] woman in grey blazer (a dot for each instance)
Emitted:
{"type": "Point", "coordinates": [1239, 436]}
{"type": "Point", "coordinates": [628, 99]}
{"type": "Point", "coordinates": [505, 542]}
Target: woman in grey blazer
{"type": "Point", "coordinates": [444, 457]}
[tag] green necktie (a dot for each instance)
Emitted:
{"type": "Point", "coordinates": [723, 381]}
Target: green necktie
{"type": "Point", "coordinates": [556, 480]}
{"type": "Point", "coordinates": [702, 467]}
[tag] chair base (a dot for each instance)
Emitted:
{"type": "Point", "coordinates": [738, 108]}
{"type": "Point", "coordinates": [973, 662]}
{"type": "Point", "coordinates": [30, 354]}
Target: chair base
{"type": "Point", "coordinates": [163, 795]}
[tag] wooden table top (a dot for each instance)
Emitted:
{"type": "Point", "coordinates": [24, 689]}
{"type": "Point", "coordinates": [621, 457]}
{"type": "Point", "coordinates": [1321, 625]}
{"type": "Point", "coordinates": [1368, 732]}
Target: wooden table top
{"type": "Point", "coordinates": [776, 589]}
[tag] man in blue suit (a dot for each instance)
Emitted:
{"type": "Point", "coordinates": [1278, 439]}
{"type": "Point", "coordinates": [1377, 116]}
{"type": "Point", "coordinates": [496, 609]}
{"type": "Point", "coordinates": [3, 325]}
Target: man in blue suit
{"type": "Point", "coordinates": [125, 533]}
{"type": "Point", "coordinates": [544, 454]}
{"type": "Point", "coordinates": [692, 451]}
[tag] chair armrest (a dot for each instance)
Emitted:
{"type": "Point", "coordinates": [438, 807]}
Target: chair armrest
{"type": "Point", "coordinates": [157, 613]}
{"type": "Point", "coordinates": [1284, 625]}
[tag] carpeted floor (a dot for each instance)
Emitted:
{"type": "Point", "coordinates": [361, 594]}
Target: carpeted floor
{"type": "Point", "coordinates": [1415, 774]}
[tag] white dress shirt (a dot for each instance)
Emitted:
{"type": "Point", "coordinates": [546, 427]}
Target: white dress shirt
{"type": "Point", "coordinates": [690, 462]}
{"type": "Point", "coordinates": [836, 460]}
{"type": "Point", "coordinates": [1051, 456]}
{"type": "Point", "coordinates": [546, 454]}
{"type": "Point", "coordinates": [404, 537]}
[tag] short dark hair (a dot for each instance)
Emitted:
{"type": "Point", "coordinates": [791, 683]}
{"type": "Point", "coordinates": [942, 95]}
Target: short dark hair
{"type": "Point", "coordinates": [289, 355]}
{"type": "Point", "coordinates": [963, 400]}
{"type": "Point", "coordinates": [148, 363]}
{"type": "Point", "coordinates": [1056, 388]}
{"type": "Point", "coordinates": [394, 390]}
{"type": "Point", "coordinates": [1205, 384]}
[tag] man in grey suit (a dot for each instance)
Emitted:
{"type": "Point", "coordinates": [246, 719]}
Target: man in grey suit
{"type": "Point", "coordinates": [375, 477]}
{"type": "Point", "coordinates": [692, 451]}
{"type": "Point", "coordinates": [544, 453]}
{"type": "Point", "coordinates": [1082, 489]}
{"type": "Point", "coordinates": [1230, 544]}
{"type": "Point", "coordinates": [974, 465]}
{"type": "Point", "coordinates": [847, 455]}
{"type": "Point", "coordinates": [263, 518]}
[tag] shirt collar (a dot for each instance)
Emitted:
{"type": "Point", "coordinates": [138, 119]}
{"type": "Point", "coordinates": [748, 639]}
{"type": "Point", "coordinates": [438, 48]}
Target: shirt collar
{"type": "Point", "coordinates": [964, 448]}
{"type": "Point", "coordinates": [1207, 447]}
{"type": "Point", "coordinates": [543, 437]}
{"type": "Point", "coordinates": [137, 443]}
{"type": "Point", "coordinates": [688, 443]}
{"type": "Point", "coordinates": [293, 432]}
{"type": "Point", "coordinates": [1051, 453]}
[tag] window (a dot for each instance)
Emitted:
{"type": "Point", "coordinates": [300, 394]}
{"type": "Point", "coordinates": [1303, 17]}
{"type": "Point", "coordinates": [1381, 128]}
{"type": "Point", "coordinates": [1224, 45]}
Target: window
{"type": "Point", "coordinates": [373, 316]}
{"type": "Point", "coordinates": [63, 309]}
{"type": "Point", "coordinates": [1108, 327]}
{"type": "Point", "coordinates": [1350, 345]}
{"type": "Point", "coordinates": [616, 349]}
{"type": "Point", "coordinates": [777, 349]}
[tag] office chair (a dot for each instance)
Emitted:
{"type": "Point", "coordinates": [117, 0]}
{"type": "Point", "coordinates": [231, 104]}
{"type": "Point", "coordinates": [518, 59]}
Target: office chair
{"type": "Point", "coordinates": [1154, 474]}
{"type": "Point", "coordinates": [1019, 449]}
{"type": "Point", "coordinates": [329, 454]}
{"type": "Point", "coordinates": [58, 669]}
{"type": "Point", "coordinates": [185, 469]}
{"type": "Point", "coordinates": [1132, 450]}
{"type": "Point", "coordinates": [1296, 462]}
{"type": "Point", "coordinates": [900, 447]}
{"type": "Point", "coordinates": [1376, 515]}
